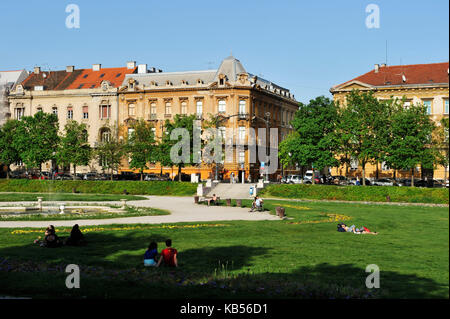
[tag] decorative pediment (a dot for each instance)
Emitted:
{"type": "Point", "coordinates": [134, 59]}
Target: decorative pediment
{"type": "Point", "coordinates": [353, 85]}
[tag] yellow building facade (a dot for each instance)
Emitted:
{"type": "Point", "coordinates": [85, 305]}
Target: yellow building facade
{"type": "Point", "coordinates": [230, 91]}
{"type": "Point", "coordinates": [426, 84]}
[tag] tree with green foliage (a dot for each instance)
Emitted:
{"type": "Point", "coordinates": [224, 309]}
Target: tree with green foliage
{"type": "Point", "coordinates": [411, 142]}
{"type": "Point", "coordinates": [314, 142]}
{"type": "Point", "coordinates": [362, 129]}
{"type": "Point", "coordinates": [110, 150]}
{"type": "Point", "coordinates": [442, 137]}
{"type": "Point", "coordinates": [141, 145]}
{"type": "Point", "coordinates": [37, 139]}
{"type": "Point", "coordinates": [179, 121]}
{"type": "Point", "coordinates": [8, 152]}
{"type": "Point", "coordinates": [74, 147]}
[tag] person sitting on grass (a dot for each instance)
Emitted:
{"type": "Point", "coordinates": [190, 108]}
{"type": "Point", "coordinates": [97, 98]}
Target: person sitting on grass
{"type": "Point", "coordinates": [354, 230]}
{"type": "Point", "coordinates": [76, 238]}
{"type": "Point", "coordinates": [168, 255]}
{"type": "Point", "coordinates": [213, 200]}
{"type": "Point", "coordinates": [257, 203]}
{"type": "Point", "coordinates": [150, 255]}
{"type": "Point", "coordinates": [51, 240]}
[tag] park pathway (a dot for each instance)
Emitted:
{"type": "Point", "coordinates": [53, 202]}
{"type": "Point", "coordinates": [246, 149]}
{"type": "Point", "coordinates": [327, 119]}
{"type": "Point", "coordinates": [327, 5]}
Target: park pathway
{"type": "Point", "coordinates": [182, 209]}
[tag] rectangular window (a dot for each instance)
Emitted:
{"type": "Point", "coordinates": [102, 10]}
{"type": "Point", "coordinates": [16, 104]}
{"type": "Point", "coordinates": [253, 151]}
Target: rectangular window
{"type": "Point", "coordinates": [241, 157]}
{"type": "Point", "coordinates": [85, 112]}
{"type": "Point", "coordinates": [70, 113]}
{"type": "Point", "coordinates": [20, 112]}
{"type": "Point", "coordinates": [105, 111]}
{"type": "Point", "coordinates": [446, 106]}
{"type": "Point", "coordinates": [242, 107]}
{"type": "Point", "coordinates": [39, 109]}
{"type": "Point", "coordinates": [354, 163]}
{"type": "Point", "coordinates": [241, 135]}
{"type": "Point", "coordinates": [131, 109]}
{"type": "Point", "coordinates": [199, 108]}
{"type": "Point", "coordinates": [183, 107]}
{"type": "Point", "coordinates": [130, 132]}
{"type": "Point", "coordinates": [427, 104]}
{"type": "Point", "coordinates": [222, 106]}
{"type": "Point", "coordinates": [55, 110]}
{"type": "Point", "coordinates": [222, 131]}
{"type": "Point", "coordinates": [168, 108]}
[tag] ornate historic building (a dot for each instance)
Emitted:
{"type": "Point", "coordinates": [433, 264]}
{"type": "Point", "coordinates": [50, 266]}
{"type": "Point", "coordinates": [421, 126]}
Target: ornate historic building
{"type": "Point", "coordinates": [427, 84]}
{"type": "Point", "coordinates": [8, 82]}
{"type": "Point", "coordinates": [241, 98]}
{"type": "Point", "coordinates": [85, 95]}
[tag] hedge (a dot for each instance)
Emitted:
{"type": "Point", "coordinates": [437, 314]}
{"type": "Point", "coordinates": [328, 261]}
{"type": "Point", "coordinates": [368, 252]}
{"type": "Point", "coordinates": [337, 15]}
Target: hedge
{"type": "Point", "coordinates": [359, 193]}
{"type": "Point", "coordinates": [100, 187]}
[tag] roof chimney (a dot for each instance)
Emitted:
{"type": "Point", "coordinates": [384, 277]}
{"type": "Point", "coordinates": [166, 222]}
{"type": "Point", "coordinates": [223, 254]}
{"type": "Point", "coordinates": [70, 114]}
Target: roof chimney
{"type": "Point", "coordinates": [70, 68]}
{"type": "Point", "coordinates": [377, 67]}
{"type": "Point", "coordinates": [142, 68]}
{"type": "Point", "coordinates": [37, 69]}
{"type": "Point", "coordinates": [152, 70]}
{"type": "Point", "coordinates": [131, 65]}
{"type": "Point", "coordinates": [383, 65]}
{"type": "Point", "coordinates": [96, 67]}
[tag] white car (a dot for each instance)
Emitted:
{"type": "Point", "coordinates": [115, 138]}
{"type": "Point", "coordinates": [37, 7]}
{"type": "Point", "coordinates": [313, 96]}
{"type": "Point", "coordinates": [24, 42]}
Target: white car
{"type": "Point", "coordinates": [383, 182]}
{"type": "Point", "coordinates": [295, 179]}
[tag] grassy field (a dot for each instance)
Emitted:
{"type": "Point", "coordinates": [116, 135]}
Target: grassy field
{"type": "Point", "coordinates": [32, 197]}
{"type": "Point", "coordinates": [96, 187]}
{"type": "Point", "coordinates": [358, 193]}
{"type": "Point", "coordinates": [302, 257]}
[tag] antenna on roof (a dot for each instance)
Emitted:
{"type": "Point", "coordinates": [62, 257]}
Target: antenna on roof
{"type": "Point", "coordinates": [386, 54]}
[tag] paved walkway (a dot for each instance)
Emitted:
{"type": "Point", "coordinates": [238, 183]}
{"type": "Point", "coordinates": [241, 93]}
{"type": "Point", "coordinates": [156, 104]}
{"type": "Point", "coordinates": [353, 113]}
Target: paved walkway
{"type": "Point", "coordinates": [182, 209]}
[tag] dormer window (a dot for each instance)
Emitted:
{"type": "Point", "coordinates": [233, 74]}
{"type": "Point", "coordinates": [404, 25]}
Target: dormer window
{"type": "Point", "coordinates": [199, 82]}
{"type": "Point", "coordinates": [153, 83]}
{"type": "Point", "coordinates": [221, 79]}
{"type": "Point", "coordinates": [19, 89]}
{"type": "Point", "coordinates": [131, 84]}
{"type": "Point", "coordinates": [168, 83]}
{"type": "Point", "coordinates": [184, 82]}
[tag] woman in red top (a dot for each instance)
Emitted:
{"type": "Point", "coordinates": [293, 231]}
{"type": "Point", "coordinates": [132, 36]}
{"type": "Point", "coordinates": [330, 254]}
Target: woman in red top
{"type": "Point", "coordinates": [169, 255]}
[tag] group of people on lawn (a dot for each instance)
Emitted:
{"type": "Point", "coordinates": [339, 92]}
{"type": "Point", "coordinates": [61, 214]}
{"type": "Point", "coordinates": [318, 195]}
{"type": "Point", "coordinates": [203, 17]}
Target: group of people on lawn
{"type": "Point", "coordinates": [168, 255]}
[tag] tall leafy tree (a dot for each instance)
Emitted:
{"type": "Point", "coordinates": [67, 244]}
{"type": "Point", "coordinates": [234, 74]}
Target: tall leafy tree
{"type": "Point", "coordinates": [110, 150]}
{"type": "Point", "coordinates": [166, 144]}
{"type": "Point", "coordinates": [442, 138]}
{"type": "Point", "coordinates": [411, 141]}
{"type": "Point", "coordinates": [362, 129]}
{"type": "Point", "coordinates": [37, 139]}
{"type": "Point", "coordinates": [74, 147]}
{"type": "Point", "coordinates": [314, 142]}
{"type": "Point", "coordinates": [141, 145]}
{"type": "Point", "coordinates": [8, 152]}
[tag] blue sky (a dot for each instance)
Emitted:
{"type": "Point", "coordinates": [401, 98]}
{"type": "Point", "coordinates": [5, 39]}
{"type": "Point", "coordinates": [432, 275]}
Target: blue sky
{"type": "Point", "coordinates": [306, 46]}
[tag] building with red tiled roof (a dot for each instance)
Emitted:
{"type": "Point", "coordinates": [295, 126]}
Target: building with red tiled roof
{"type": "Point", "coordinates": [87, 96]}
{"type": "Point", "coordinates": [426, 84]}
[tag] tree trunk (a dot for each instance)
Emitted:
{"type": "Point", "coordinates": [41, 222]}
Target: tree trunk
{"type": "Point", "coordinates": [179, 173]}
{"type": "Point", "coordinates": [313, 177]}
{"type": "Point", "coordinates": [346, 170]}
{"type": "Point", "coordinates": [112, 174]}
{"type": "Point", "coordinates": [142, 176]}
{"type": "Point", "coordinates": [377, 172]}
{"type": "Point", "coordinates": [445, 174]}
{"type": "Point", "coordinates": [364, 174]}
{"type": "Point", "coordinates": [412, 177]}
{"type": "Point", "coordinates": [7, 172]}
{"type": "Point", "coordinates": [74, 171]}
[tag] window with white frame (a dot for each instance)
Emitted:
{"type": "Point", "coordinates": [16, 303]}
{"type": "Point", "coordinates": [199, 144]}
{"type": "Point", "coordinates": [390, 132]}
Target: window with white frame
{"type": "Point", "coordinates": [241, 134]}
{"type": "Point", "coordinates": [130, 132]}
{"type": "Point", "coordinates": [222, 106]}
{"type": "Point", "coordinates": [241, 157]}
{"type": "Point", "coordinates": [85, 112]}
{"type": "Point", "coordinates": [199, 107]}
{"type": "Point", "coordinates": [153, 108]}
{"type": "Point", "coordinates": [445, 106]}
{"type": "Point", "coordinates": [183, 107]}
{"type": "Point", "coordinates": [427, 104]}
{"type": "Point", "coordinates": [105, 111]}
{"type": "Point", "coordinates": [55, 110]}
{"type": "Point", "coordinates": [168, 108]}
{"type": "Point", "coordinates": [131, 109]}
{"type": "Point", "coordinates": [70, 113]}
{"type": "Point", "coordinates": [19, 112]}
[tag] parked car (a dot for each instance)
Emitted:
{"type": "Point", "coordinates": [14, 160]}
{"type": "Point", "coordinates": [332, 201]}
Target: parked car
{"type": "Point", "coordinates": [152, 177]}
{"type": "Point", "coordinates": [185, 177]}
{"type": "Point", "coordinates": [353, 181]}
{"type": "Point", "coordinates": [383, 182]}
{"type": "Point", "coordinates": [128, 176]}
{"type": "Point", "coordinates": [62, 176]}
{"type": "Point", "coordinates": [90, 176]}
{"type": "Point", "coordinates": [295, 179]}
{"type": "Point", "coordinates": [339, 180]}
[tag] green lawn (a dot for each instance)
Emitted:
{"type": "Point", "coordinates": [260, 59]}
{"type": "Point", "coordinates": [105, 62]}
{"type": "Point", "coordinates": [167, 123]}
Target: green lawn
{"type": "Point", "coordinates": [32, 197]}
{"type": "Point", "coordinates": [302, 257]}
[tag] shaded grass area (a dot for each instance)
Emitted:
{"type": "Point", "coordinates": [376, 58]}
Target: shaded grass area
{"type": "Point", "coordinates": [80, 214]}
{"type": "Point", "coordinates": [169, 188]}
{"type": "Point", "coordinates": [358, 193]}
{"type": "Point", "coordinates": [32, 197]}
{"type": "Point", "coordinates": [302, 257]}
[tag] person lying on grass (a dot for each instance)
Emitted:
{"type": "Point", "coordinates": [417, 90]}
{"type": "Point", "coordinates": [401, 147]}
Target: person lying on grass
{"type": "Point", "coordinates": [51, 240]}
{"type": "Point", "coordinates": [352, 229]}
{"type": "Point", "coordinates": [150, 255]}
{"type": "Point", "coordinates": [168, 255]}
